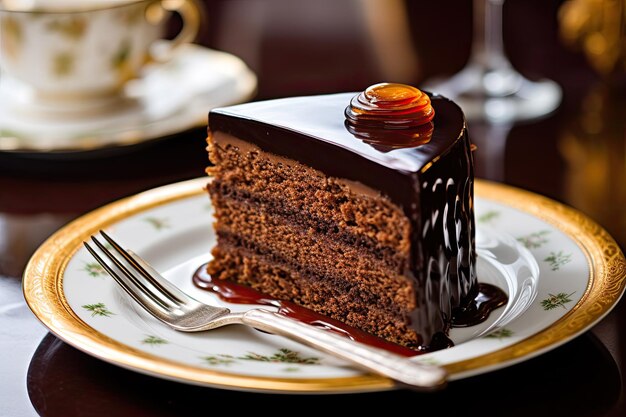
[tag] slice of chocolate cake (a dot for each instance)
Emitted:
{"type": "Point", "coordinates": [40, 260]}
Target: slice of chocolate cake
{"type": "Point", "coordinates": [359, 207]}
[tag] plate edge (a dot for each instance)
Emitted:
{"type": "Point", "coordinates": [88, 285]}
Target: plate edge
{"type": "Point", "coordinates": [606, 282]}
{"type": "Point", "coordinates": [42, 282]}
{"type": "Point", "coordinates": [42, 288]}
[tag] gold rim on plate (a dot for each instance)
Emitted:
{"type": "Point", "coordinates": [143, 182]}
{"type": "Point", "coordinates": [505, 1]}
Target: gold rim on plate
{"type": "Point", "coordinates": [43, 282]}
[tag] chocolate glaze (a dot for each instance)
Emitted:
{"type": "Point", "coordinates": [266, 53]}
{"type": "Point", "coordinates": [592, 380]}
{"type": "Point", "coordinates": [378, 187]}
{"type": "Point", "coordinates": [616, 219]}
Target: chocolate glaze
{"type": "Point", "coordinates": [386, 140]}
{"type": "Point", "coordinates": [432, 182]}
{"type": "Point", "coordinates": [311, 130]}
{"type": "Point", "coordinates": [489, 298]}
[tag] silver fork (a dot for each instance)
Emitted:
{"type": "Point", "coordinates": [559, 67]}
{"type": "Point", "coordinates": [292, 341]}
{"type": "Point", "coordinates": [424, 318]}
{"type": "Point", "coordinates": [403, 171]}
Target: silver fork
{"type": "Point", "coordinates": [169, 304]}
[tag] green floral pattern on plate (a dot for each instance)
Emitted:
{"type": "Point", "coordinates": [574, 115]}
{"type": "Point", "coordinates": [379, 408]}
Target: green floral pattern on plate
{"type": "Point", "coordinates": [500, 334]}
{"type": "Point", "coordinates": [94, 269]}
{"type": "Point", "coordinates": [158, 223]}
{"type": "Point", "coordinates": [280, 356]}
{"type": "Point", "coordinates": [218, 359]}
{"type": "Point", "coordinates": [98, 309]}
{"type": "Point", "coordinates": [283, 356]}
{"type": "Point", "coordinates": [488, 216]}
{"type": "Point", "coordinates": [556, 300]}
{"type": "Point", "coordinates": [154, 341]}
{"type": "Point", "coordinates": [534, 240]}
{"type": "Point", "coordinates": [558, 259]}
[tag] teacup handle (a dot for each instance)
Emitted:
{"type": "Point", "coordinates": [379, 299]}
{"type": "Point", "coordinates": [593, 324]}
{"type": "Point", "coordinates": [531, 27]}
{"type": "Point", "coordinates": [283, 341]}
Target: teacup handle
{"type": "Point", "coordinates": [191, 15]}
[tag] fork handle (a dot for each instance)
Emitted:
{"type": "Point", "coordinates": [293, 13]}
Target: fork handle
{"type": "Point", "coordinates": [413, 374]}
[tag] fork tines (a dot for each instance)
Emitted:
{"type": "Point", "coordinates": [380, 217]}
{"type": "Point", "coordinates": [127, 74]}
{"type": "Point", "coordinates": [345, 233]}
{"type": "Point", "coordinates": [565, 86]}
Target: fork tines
{"type": "Point", "coordinates": [135, 276]}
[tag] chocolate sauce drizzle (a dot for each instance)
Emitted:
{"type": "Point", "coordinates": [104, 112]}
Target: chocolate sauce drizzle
{"type": "Point", "coordinates": [489, 298]}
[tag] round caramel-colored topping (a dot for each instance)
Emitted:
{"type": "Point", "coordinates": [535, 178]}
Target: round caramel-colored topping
{"type": "Point", "coordinates": [389, 94]}
{"type": "Point", "coordinates": [390, 116]}
{"type": "Point", "coordinates": [390, 106]}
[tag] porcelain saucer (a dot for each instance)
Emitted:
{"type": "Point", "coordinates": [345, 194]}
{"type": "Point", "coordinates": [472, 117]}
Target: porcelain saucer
{"type": "Point", "coordinates": [168, 99]}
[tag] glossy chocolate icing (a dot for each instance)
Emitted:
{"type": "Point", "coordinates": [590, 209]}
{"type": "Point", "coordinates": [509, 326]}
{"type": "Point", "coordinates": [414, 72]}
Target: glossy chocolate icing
{"type": "Point", "coordinates": [432, 182]}
{"type": "Point", "coordinates": [312, 130]}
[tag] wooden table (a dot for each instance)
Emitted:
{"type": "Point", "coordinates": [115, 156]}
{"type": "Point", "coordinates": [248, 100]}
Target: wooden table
{"type": "Point", "coordinates": [576, 156]}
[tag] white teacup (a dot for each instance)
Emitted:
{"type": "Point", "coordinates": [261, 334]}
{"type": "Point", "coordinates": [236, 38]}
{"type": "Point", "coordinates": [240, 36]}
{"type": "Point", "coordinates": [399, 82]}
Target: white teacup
{"type": "Point", "coordinates": [68, 50]}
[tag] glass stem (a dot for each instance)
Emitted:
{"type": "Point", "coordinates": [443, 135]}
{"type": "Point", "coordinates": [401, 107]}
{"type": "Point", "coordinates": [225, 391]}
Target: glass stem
{"type": "Point", "coordinates": [487, 45]}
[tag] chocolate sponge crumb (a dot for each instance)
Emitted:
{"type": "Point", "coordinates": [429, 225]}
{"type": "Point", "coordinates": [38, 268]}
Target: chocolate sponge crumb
{"type": "Point", "coordinates": [293, 233]}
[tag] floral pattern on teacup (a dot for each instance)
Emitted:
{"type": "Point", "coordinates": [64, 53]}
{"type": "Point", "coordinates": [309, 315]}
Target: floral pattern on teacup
{"type": "Point", "coordinates": [63, 64]}
{"type": "Point", "coordinates": [120, 61]}
{"type": "Point", "coordinates": [72, 27]}
{"type": "Point", "coordinates": [131, 15]}
{"type": "Point", "coordinates": [11, 36]}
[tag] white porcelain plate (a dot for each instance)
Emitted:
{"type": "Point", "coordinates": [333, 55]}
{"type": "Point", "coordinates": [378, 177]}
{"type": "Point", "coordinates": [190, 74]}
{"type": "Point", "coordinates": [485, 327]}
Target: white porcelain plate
{"type": "Point", "coordinates": [168, 99]}
{"type": "Point", "coordinates": [562, 273]}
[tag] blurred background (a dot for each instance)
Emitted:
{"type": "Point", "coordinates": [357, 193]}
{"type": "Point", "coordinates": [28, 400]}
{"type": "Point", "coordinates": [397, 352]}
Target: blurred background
{"type": "Point", "coordinates": [573, 150]}
{"type": "Point", "coordinates": [576, 154]}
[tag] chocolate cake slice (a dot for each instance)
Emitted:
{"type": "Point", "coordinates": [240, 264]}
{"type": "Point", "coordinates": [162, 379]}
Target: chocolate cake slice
{"type": "Point", "coordinates": [357, 206]}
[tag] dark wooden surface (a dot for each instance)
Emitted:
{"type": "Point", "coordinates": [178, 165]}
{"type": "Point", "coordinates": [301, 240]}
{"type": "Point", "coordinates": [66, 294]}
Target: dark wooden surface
{"type": "Point", "coordinates": [576, 156]}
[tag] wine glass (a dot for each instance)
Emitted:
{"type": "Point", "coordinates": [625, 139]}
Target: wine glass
{"type": "Point", "coordinates": [489, 89]}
